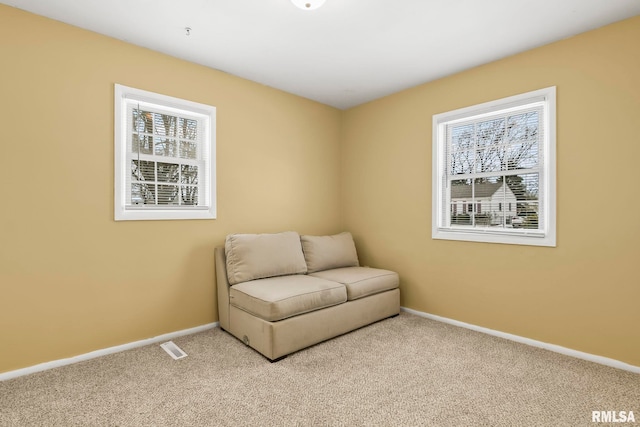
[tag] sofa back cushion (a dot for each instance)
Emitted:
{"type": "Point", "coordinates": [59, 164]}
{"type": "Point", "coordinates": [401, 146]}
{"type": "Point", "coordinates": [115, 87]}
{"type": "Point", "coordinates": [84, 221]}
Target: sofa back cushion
{"type": "Point", "coordinates": [327, 252]}
{"type": "Point", "coordinates": [256, 256]}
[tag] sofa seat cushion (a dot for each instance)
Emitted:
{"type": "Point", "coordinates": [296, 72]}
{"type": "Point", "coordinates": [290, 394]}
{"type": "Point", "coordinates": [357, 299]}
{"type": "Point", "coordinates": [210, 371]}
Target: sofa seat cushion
{"type": "Point", "coordinates": [361, 281]}
{"type": "Point", "coordinates": [277, 298]}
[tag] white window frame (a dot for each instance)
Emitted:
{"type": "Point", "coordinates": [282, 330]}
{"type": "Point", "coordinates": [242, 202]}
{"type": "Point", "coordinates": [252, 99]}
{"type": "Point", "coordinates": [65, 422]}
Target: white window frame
{"type": "Point", "coordinates": [546, 234]}
{"type": "Point", "coordinates": [206, 117]}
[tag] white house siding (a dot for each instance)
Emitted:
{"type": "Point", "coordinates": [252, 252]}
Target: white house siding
{"type": "Point", "coordinates": [508, 199]}
{"type": "Point", "coordinates": [501, 205]}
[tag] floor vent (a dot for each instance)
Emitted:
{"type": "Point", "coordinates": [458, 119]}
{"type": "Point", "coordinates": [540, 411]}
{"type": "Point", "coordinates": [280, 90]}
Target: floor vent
{"type": "Point", "coordinates": [173, 350]}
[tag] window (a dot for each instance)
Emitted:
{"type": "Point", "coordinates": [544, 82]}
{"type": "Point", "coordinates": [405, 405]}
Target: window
{"type": "Point", "coordinates": [503, 154]}
{"type": "Point", "coordinates": [164, 157]}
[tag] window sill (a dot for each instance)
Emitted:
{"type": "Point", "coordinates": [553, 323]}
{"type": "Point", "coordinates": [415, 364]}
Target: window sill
{"type": "Point", "coordinates": [163, 214]}
{"type": "Point", "coordinates": [510, 237]}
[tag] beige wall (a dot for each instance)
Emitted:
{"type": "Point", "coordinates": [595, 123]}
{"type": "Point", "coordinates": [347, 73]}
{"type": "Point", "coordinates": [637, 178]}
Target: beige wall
{"type": "Point", "coordinates": [585, 293]}
{"type": "Point", "coordinates": [72, 280]}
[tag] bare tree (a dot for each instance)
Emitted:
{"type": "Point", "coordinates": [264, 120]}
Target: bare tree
{"type": "Point", "coordinates": [503, 145]}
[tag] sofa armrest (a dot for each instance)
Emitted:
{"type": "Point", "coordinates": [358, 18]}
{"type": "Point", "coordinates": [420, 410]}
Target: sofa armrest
{"type": "Point", "coordinates": [222, 285]}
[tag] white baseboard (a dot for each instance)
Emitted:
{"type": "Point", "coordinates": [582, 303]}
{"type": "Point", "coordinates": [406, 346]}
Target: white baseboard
{"type": "Point", "coordinates": [98, 353]}
{"type": "Point", "coordinates": [534, 343]}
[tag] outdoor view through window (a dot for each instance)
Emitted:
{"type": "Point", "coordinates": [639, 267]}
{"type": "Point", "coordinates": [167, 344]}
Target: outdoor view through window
{"type": "Point", "coordinates": [164, 159]}
{"type": "Point", "coordinates": [493, 171]}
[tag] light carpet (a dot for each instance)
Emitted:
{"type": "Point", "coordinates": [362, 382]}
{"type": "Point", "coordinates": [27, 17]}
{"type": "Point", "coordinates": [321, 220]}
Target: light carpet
{"type": "Point", "coordinates": [403, 371]}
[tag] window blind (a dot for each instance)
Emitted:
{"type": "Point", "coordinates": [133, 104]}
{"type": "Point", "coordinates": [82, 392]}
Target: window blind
{"type": "Point", "coordinates": [492, 166]}
{"type": "Point", "coordinates": [167, 154]}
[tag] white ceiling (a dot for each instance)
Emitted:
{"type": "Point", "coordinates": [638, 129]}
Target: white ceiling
{"type": "Point", "coordinates": [348, 51]}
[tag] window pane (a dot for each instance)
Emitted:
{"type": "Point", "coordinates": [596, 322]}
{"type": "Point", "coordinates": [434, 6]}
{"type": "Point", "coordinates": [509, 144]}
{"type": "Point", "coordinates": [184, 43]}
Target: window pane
{"type": "Point", "coordinates": [143, 194]}
{"type": "Point", "coordinates": [522, 127]}
{"type": "Point", "coordinates": [525, 186]}
{"type": "Point", "coordinates": [188, 150]}
{"type": "Point", "coordinates": [142, 143]}
{"type": "Point", "coordinates": [491, 159]}
{"type": "Point", "coordinates": [167, 194]}
{"type": "Point", "coordinates": [165, 125]}
{"type": "Point", "coordinates": [460, 196]}
{"type": "Point", "coordinates": [166, 147]}
{"type": "Point", "coordinates": [188, 129]}
{"type": "Point", "coordinates": [526, 190]}
{"type": "Point", "coordinates": [461, 189]}
{"type": "Point", "coordinates": [528, 215]}
{"type": "Point", "coordinates": [490, 154]}
{"type": "Point", "coordinates": [142, 121]}
{"type": "Point", "coordinates": [143, 170]}
{"type": "Point", "coordinates": [461, 149]}
{"type": "Point", "coordinates": [490, 133]}
{"type": "Point", "coordinates": [523, 155]}
{"type": "Point", "coordinates": [189, 195]}
{"type": "Point", "coordinates": [461, 162]}
{"type": "Point", "coordinates": [189, 174]}
{"type": "Point", "coordinates": [168, 172]}
{"type": "Point", "coordinates": [494, 198]}
{"type": "Point", "coordinates": [462, 138]}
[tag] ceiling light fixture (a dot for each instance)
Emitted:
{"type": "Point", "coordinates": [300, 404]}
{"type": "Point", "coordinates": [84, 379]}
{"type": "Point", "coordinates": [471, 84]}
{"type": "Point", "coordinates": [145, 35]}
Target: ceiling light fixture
{"type": "Point", "coordinates": [308, 4]}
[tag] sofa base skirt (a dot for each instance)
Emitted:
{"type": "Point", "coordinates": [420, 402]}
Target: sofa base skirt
{"type": "Point", "coordinates": [277, 339]}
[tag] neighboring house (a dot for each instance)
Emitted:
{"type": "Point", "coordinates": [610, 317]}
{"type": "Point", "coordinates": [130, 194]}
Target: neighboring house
{"type": "Point", "coordinates": [493, 204]}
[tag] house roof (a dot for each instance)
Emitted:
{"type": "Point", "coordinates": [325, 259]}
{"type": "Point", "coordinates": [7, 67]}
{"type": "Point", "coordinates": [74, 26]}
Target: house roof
{"type": "Point", "coordinates": [482, 190]}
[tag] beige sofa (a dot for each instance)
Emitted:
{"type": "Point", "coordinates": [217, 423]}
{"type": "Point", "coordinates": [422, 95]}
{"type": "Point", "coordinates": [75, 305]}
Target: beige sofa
{"type": "Point", "coordinates": [280, 293]}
